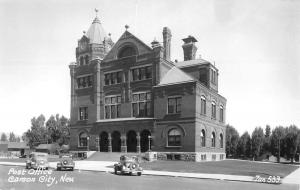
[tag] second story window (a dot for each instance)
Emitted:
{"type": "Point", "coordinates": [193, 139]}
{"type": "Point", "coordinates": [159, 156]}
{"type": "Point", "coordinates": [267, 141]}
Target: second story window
{"type": "Point", "coordinates": [221, 114]}
{"type": "Point", "coordinates": [141, 73]}
{"type": "Point", "coordinates": [83, 113]}
{"type": "Point", "coordinates": [84, 82]}
{"type": "Point", "coordinates": [141, 104]}
{"type": "Point", "coordinates": [203, 105]}
{"type": "Point", "coordinates": [174, 105]}
{"type": "Point", "coordinates": [112, 107]}
{"type": "Point", "coordinates": [213, 110]}
{"type": "Point", "coordinates": [113, 78]}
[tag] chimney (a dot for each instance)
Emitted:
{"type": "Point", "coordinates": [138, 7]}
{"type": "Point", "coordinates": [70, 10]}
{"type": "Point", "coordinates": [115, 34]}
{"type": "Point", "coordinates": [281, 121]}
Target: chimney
{"type": "Point", "coordinates": [189, 48]}
{"type": "Point", "coordinates": [167, 43]}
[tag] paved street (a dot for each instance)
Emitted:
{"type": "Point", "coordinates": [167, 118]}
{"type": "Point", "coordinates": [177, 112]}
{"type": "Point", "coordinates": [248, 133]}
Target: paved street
{"type": "Point", "coordinates": [100, 180]}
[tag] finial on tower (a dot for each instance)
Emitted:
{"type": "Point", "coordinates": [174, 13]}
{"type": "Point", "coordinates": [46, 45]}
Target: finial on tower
{"type": "Point", "coordinates": [126, 27]}
{"type": "Point", "coordinates": [96, 11]}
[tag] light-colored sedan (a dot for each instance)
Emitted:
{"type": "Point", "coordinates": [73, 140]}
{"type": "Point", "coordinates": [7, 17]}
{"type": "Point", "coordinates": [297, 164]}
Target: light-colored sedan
{"type": "Point", "coordinates": [37, 160]}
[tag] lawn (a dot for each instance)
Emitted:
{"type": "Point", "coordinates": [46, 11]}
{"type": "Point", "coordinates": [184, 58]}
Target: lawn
{"type": "Point", "coordinates": [230, 167]}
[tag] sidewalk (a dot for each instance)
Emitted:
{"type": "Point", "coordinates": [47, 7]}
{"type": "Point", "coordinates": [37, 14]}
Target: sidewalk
{"type": "Point", "coordinates": [293, 178]}
{"type": "Point", "coordinates": [105, 166]}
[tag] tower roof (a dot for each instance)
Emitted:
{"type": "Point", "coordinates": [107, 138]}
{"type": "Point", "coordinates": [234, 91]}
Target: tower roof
{"type": "Point", "coordinates": [96, 33]}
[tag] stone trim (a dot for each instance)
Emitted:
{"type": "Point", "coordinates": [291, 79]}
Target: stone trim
{"type": "Point", "coordinates": [191, 156]}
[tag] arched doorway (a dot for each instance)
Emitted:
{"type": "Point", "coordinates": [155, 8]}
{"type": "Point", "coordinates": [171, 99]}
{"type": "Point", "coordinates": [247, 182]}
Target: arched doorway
{"type": "Point", "coordinates": [131, 141]}
{"type": "Point", "coordinates": [145, 140]}
{"type": "Point", "coordinates": [103, 142]}
{"type": "Point", "coordinates": [116, 141]}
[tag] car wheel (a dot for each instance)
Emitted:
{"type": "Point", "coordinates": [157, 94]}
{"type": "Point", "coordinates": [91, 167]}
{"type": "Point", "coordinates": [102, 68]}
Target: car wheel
{"type": "Point", "coordinates": [58, 169]}
{"type": "Point", "coordinates": [130, 173]}
{"type": "Point", "coordinates": [116, 171]}
{"type": "Point", "coordinates": [27, 166]}
{"type": "Point", "coordinates": [72, 169]}
{"type": "Point", "coordinates": [139, 173]}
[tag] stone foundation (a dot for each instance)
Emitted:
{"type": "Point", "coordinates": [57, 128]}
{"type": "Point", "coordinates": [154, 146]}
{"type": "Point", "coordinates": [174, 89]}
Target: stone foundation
{"type": "Point", "coordinates": [191, 156]}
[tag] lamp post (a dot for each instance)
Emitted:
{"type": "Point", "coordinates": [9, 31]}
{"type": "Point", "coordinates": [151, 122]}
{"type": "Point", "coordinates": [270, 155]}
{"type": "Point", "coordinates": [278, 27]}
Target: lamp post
{"type": "Point", "coordinates": [98, 144]}
{"type": "Point", "coordinates": [88, 143]}
{"type": "Point", "coordinates": [149, 143]}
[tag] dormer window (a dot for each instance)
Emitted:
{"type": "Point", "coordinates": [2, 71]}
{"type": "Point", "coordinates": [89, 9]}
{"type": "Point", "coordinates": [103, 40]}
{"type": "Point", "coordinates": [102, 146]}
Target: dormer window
{"type": "Point", "coordinates": [127, 52]}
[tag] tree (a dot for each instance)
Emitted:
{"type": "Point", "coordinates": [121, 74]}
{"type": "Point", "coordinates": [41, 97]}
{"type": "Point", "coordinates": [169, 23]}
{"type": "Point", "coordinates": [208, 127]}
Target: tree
{"type": "Point", "coordinates": [24, 138]}
{"type": "Point", "coordinates": [268, 131]}
{"type": "Point", "coordinates": [257, 141]}
{"type": "Point", "coordinates": [278, 134]}
{"type": "Point", "coordinates": [244, 145]}
{"type": "Point", "coordinates": [267, 139]}
{"type": "Point", "coordinates": [37, 133]}
{"type": "Point", "coordinates": [232, 137]}
{"type": "Point", "coordinates": [292, 140]}
{"type": "Point", "coordinates": [3, 137]}
{"type": "Point", "coordinates": [58, 129]}
{"type": "Point", "coordinates": [18, 139]}
{"type": "Point", "coordinates": [12, 137]}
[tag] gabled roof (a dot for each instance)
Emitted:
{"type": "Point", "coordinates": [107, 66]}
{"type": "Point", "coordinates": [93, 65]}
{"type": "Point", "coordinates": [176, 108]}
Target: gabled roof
{"type": "Point", "coordinates": [127, 34]}
{"type": "Point", "coordinates": [175, 76]}
{"type": "Point", "coordinates": [96, 33]}
{"type": "Point", "coordinates": [190, 63]}
{"type": "Point", "coordinates": [127, 38]}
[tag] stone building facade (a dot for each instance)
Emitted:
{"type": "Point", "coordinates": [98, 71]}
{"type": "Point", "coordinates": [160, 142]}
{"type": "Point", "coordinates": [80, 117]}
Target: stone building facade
{"type": "Point", "coordinates": [129, 97]}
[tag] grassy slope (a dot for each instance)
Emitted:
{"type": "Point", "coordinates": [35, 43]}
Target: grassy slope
{"type": "Point", "coordinates": [231, 167]}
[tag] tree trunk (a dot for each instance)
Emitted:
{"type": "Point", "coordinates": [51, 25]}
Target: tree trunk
{"type": "Point", "coordinates": [278, 156]}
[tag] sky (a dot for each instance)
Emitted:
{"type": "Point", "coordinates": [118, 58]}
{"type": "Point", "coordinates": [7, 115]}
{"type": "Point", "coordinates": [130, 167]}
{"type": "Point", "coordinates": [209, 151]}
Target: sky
{"type": "Point", "coordinates": [255, 45]}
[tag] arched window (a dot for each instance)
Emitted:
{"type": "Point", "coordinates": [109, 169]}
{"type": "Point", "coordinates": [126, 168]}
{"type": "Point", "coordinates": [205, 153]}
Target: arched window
{"type": "Point", "coordinates": [81, 61]}
{"type": "Point", "coordinates": [213, 110]}
{"type": "Point", "coordinates": [86, 59]}
{"type": "Point", "coordinates": [213, 139]}
{"type": "Point", "coordinates": [174, 138]}
{"type": "Point", "coordinates": [203, 105]}
{"type": "Point", "coordinates": [83, 139]}
{"type": "Point", "coordinates": [221, 140]}
{"type": "Point", "coordinates": [202, 135]}
{"type": "Point", "coordinates": [126, 52]}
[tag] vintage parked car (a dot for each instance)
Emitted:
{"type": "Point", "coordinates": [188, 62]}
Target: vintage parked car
{"type": "Point", "coordinates": [22, 156]}
{"type": "Point", "coordinates": [65, 162]}
{"type": "Point", "coordinates": [128, 165]}
{"type": "Point", "coordinates": [37, 160]}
